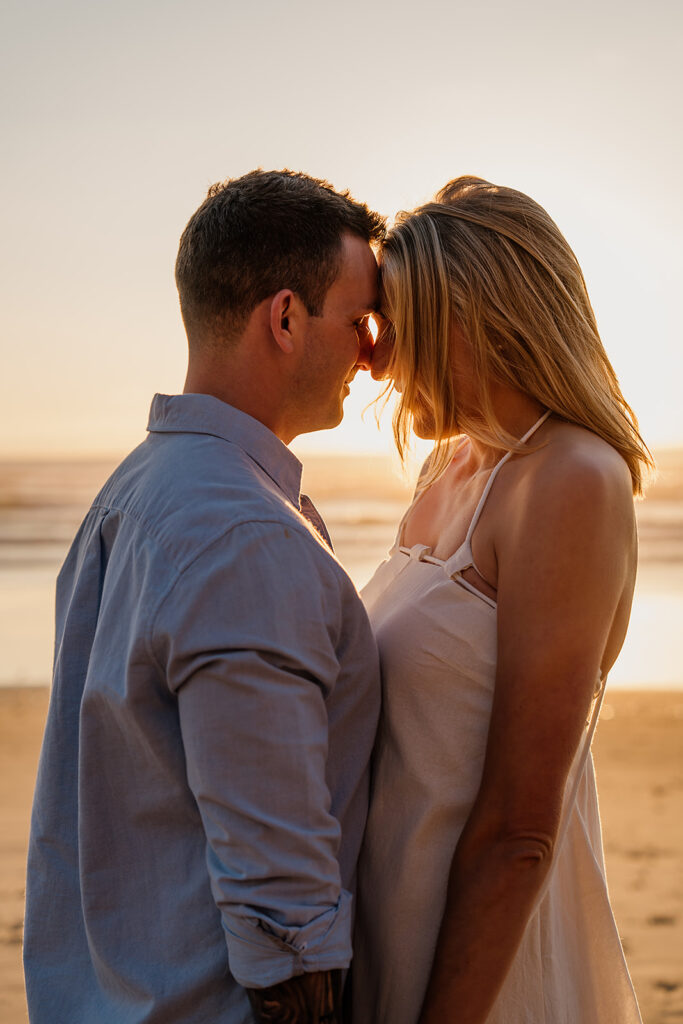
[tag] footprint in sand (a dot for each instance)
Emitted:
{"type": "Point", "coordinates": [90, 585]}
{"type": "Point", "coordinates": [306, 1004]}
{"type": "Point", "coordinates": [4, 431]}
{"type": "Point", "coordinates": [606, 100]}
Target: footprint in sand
{"type": "Point", "coordinates": [13, 934]}
{"type": "Point", "coordinates": [668, 986]}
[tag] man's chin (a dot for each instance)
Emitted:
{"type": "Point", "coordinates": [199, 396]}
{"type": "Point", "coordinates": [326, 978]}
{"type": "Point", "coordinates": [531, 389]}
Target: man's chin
{"type": "Point", "coordinates": [329, 422]}
{"type": "Point", "coordinates": [335, 420]}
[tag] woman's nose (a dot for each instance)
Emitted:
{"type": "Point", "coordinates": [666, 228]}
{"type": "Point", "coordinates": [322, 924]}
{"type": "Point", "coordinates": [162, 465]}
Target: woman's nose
{"type": "Point", "coordinates": [380, 357]}
{"type": "Point", "coordinates": [365, 349]}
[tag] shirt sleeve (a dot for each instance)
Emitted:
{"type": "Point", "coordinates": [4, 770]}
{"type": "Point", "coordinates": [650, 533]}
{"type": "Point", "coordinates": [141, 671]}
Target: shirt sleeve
{"type": "Point", "coordinates": [248, 638]}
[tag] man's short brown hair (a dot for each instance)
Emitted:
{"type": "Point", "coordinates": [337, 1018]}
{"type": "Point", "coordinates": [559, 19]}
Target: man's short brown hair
{"type": "Point", "coordinates": [255, 235]}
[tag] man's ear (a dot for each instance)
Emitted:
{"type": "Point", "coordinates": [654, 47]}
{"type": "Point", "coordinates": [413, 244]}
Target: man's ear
{"type": "Point", "coordinates": [285, 311]}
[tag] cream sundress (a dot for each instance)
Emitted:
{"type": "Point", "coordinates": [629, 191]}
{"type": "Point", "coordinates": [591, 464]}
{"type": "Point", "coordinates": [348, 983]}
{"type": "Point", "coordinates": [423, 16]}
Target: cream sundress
{"type": "Point", "coordinates": [437, 640]}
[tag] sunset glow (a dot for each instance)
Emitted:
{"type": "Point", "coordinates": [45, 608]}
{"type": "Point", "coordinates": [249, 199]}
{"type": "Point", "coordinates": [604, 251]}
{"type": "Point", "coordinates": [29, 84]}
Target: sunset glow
{"type": "Point", "coordinates": [117, 120]}
{"type": "Point", "coordinates": [109, 149]}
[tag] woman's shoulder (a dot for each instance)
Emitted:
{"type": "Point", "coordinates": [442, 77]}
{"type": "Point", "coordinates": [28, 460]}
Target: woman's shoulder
{"type": "Point", "coordinates": [570, 455]}
{"type": "Point", "coordinates": [573, 472]}
{"type": "Point", "coordinates": [570, 497]}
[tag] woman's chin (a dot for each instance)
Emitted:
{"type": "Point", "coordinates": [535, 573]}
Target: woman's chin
{"type": "Point", "coordinates": [424, 430]}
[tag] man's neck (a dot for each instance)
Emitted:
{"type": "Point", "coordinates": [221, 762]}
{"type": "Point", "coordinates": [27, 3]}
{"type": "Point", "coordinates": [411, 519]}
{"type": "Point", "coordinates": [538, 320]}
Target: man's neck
{"type": "Point", "coordinates": [247, 391]}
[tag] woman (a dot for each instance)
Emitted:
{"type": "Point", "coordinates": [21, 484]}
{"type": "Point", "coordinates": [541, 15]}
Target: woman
{"type": "Point", "coordinates": [499, 612]}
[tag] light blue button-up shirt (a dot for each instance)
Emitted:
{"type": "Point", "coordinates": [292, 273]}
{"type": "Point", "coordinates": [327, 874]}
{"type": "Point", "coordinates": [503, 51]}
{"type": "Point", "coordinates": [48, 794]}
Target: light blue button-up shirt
{"type": "Point", "coordinates": [203, 782]}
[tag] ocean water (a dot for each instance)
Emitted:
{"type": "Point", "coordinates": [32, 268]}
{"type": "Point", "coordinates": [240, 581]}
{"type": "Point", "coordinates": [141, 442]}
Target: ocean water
{"type": "Point", "coordinates": [362, 499]}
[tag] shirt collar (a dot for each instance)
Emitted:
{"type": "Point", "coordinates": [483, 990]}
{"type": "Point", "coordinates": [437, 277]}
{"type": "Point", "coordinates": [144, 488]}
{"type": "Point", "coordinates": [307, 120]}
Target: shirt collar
{"type": "Point", "coordinates": [204, 414]}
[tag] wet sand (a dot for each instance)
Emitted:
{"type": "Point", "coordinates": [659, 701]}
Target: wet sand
{"type": "Point", "coordinates": [639, 760]}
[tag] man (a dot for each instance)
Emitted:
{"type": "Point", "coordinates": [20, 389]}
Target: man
{"type": "Point", "coordinates": [202, 787]}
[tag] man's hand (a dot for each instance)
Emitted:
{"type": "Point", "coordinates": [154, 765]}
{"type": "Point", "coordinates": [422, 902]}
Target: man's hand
{"type": "Point", "coordinates": [306, 999]}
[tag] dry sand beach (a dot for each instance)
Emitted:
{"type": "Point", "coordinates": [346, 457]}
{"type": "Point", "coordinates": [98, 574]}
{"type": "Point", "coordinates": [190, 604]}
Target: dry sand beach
{"type": "Point", "coordinates": [640, 778]}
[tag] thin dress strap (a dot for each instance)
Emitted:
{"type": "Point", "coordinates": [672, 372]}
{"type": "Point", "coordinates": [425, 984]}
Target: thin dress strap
{"type": "Point", "coordinates": [494, 474]}
{"type": "Point", "coordinates": [399, 532]}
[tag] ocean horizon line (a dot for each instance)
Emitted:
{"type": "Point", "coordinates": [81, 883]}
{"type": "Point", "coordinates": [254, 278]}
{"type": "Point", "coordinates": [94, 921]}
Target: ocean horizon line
{"type": "Point", "coordinates": [14, 456]}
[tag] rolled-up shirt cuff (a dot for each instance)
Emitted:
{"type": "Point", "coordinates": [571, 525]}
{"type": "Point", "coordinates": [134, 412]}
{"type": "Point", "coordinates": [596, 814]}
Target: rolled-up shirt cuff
{"type": "Point", "coordinates": [262, 952]}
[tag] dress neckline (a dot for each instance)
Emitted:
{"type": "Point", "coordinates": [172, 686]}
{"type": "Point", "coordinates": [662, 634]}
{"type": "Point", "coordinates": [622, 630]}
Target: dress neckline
{"type": "Point", "coordinates": [461, 559]}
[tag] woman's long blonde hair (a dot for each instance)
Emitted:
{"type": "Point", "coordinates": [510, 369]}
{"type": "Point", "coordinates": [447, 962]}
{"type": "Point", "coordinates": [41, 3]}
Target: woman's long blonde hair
{"type": "Point", "coordinates": [491, 261]}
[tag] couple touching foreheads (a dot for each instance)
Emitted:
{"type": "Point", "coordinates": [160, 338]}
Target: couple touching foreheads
{"type": "Point", "coordinates": [227, 815]}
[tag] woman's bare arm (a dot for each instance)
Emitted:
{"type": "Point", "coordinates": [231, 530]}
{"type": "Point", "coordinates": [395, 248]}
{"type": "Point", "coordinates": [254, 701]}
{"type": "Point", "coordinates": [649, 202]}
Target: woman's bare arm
{"type": "Point", "coordinates": [565, 558]}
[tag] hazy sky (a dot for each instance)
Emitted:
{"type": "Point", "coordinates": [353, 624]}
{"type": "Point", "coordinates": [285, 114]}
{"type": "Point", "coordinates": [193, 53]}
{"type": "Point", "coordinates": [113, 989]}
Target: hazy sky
{"type": "Point", "coordinates": [118, 116]}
